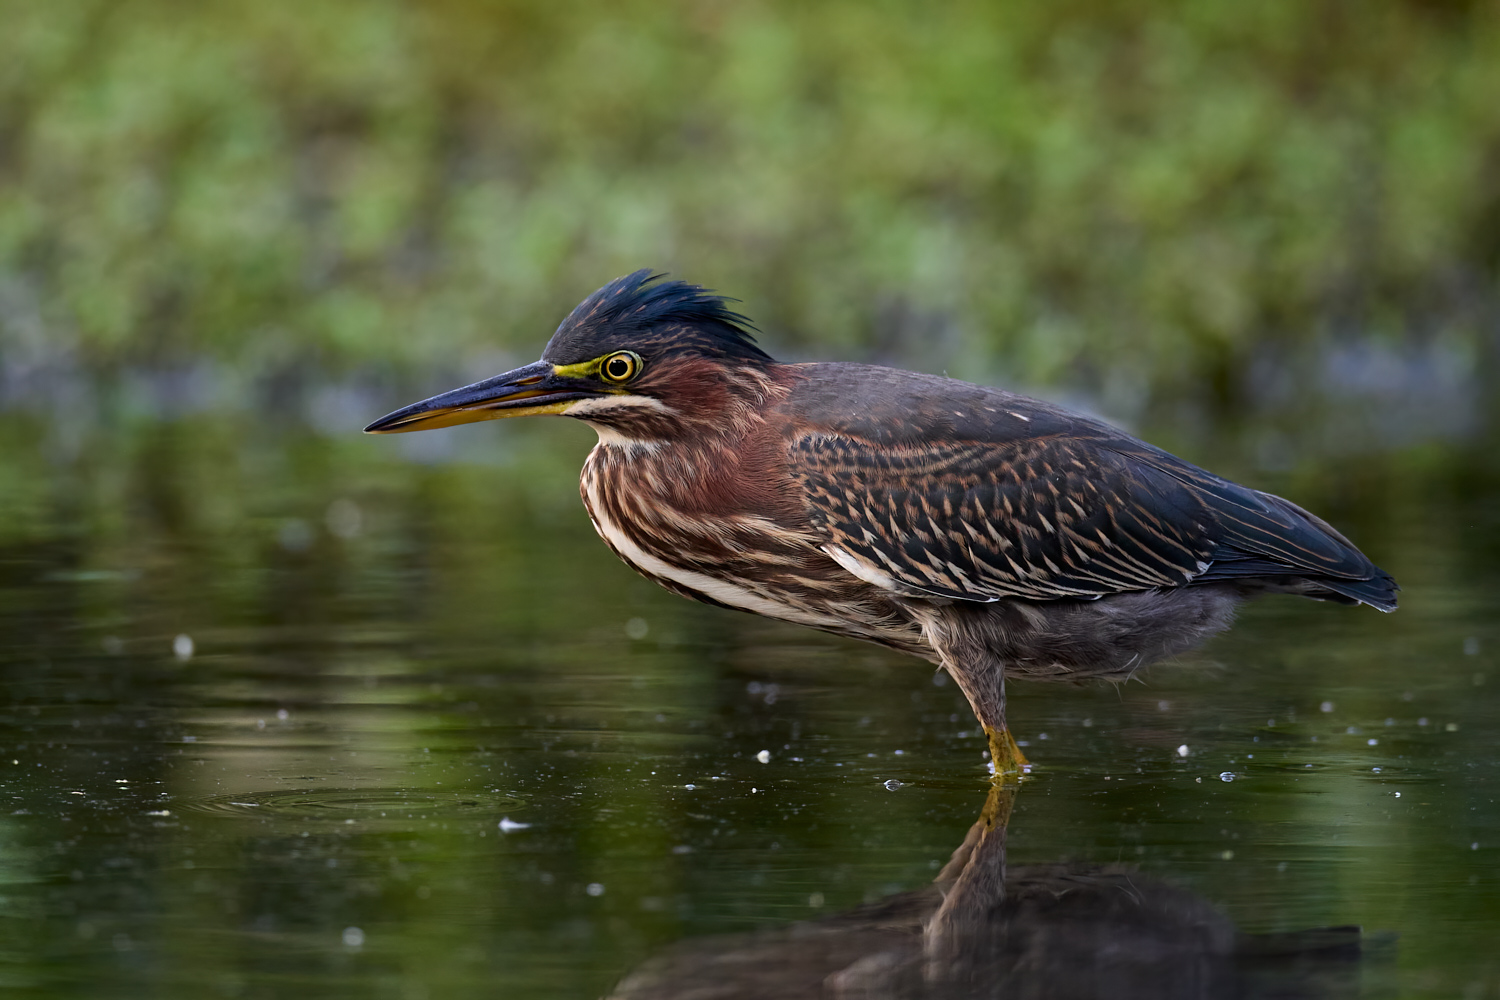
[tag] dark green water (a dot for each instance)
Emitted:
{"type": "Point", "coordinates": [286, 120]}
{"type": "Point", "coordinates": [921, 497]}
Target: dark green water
{"type": "Point", "coordinates": [288, 714]}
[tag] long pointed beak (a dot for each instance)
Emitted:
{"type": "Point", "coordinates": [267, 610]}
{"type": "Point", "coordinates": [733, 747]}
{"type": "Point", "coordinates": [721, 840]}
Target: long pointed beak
{"type": "Point", "coordinates": [536, 388]}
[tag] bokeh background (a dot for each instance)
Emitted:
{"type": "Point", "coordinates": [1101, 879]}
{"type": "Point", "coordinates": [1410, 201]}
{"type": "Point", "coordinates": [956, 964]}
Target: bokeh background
{"type": "Point", "coordinates": [1201, 208]}
{"type": "Point", "coordinates": [1263, 235]}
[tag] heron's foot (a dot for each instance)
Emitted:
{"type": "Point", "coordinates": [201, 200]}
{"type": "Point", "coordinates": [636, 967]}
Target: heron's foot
{"type": "Point", "coordinates": [1006, 757]}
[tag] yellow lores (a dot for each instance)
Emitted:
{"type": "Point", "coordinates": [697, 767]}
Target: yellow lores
{"type": "Point", "coordinates": [480, 402]}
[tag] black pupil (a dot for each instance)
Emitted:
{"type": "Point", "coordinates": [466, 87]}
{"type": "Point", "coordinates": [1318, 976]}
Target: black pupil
{"type": "Point", "coordinates": [619, 367]}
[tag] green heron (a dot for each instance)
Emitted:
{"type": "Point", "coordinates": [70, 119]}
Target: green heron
{"type": "Point", "coordinates": [986, 532]}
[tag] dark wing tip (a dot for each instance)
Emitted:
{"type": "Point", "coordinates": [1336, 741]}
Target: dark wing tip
{"type": "Point", "coordinates": [1378, 592]}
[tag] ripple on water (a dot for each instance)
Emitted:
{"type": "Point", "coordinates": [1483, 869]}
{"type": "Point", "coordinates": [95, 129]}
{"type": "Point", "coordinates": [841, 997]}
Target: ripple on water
{"type": "Point", "coordinates": [364, 807]}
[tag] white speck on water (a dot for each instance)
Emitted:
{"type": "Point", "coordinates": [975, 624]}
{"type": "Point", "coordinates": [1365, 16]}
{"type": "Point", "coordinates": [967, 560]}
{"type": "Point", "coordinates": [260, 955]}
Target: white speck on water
{"type": "Point", "coordinates": [1327, 706]}
{"type": "Point", "coordinates": [637, 628]}
{"type": "Point", "coordinates": [1422, 721]}
{"type": "Point", "coordinates": [1371, 743]}
{"type": "Point", "coordinates": [354, 937]}
{"type": "Point", "coordinates": [1398, 795]}
{"type": "Point", "coordinates": [1087, 723]}
{"type": "Point", "coordinates": [815, 900]}
{"type": "Point", "coordinates": [594, 889]}
{"type": "Point", "coordinates": [159, 812]}
{"type": "Point", "coordinates": [344, 518]}
{"type": "Point", "coordinates": [1375, 769]}
{"type": "Point", "coordinates": [1041, 736]}
{"type": "Point", "coordinates": [899, 752]}
{"type": "Point", "coordinates": [1451, 727]}
{"type": "Point", "coordinates": [1182, 751]}
{"type": "Point", "coordinates": [1226, 775]}
{"type": "Point", "coordinates": [190, 739]}
{"type": "Point", "coordinates": [682, 849]}
{"type": "Point", "coordinates": [1471, 646]}
{"type": "Point", "coordinates": [1163, 706]}
{"type": "Point", "coordinates": [260, 723]}
{"type": "Point", "coordinates": [755, 791]}
{"type": "Point", "coordinates": [182, 647]}
{"type": "Point", "coordinates": [122, 781]}
{"type": "Point", "coordinates": [1352, 731]}
{"type": "Point", "coordinates": [764, 756]}
{"type": "Point", "coordinates": [283, 714]}
{"type": "Point", "coordinates": [1474, 846]}
{"type": "Point", "coordinates": [690, 787]}
{"type": "Point", "coordinates": [892, 785]}
{"type": "Point", "coordinates": [1227, 855]}
{"type": "Point", "coordinates": [508, 825]}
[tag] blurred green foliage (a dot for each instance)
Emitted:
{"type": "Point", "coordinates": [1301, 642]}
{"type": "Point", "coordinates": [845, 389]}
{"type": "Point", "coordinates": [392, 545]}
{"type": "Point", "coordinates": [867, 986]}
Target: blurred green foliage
{"type": "Point", "coordinates": [1136, 200]}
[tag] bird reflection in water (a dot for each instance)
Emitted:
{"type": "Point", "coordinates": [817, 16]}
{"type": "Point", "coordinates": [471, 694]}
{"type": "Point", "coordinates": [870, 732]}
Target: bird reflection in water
{"type": "Point", "coordinates": [1037, 931]}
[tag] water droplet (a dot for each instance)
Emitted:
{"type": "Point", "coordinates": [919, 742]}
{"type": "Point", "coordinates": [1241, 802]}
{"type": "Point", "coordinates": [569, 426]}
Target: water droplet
{"type": "Point", "coordinates": [595, 889]}
{"type": "Point", "coordinates": [1327, 706]}
{"type": "Point", "coordinates": [637, 628]}
{"type": "Point", "coordinates": [344, 518]}
{"type": "Point", "coordinates": [1371, 743]}
{"type": "Point", "coordinates": [1182, 751]}
{"type": "Point", "coordinates": [182, 647]}
{"type": "Point", "coordinates": [892, 785]}
{"type": "Point", "coordinates": [508, 825]}
{"type": "Point", "coordinates": [815, 900]}
{"type": "Point", "coordinates": [353, 937]}
{"type": "Point", "coordinates": [1226, 775]}
{"type": "Point", "coordinates": [764, 756]}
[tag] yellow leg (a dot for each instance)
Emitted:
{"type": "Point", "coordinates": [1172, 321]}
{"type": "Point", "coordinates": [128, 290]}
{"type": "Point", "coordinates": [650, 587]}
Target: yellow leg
{"type": "Point", "coordinates": [1006, 756]}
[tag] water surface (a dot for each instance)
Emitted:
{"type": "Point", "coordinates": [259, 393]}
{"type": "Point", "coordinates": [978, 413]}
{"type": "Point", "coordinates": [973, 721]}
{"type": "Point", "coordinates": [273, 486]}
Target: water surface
{"type": "Point", "coordinates": [287, 714]}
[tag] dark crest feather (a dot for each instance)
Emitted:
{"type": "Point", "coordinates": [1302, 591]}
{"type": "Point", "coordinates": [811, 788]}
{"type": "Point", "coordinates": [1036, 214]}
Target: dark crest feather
{"type": "Point", "coordinates": [645, 314]}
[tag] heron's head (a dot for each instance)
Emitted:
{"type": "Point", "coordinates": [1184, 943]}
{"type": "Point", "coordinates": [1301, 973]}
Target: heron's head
{"type": "Point", "coordinates": [644, 356]}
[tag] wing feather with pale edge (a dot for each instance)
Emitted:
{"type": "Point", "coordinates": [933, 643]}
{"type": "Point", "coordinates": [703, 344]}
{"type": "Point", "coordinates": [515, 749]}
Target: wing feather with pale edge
{"type": "Point", "coordinates": [1060, 516]}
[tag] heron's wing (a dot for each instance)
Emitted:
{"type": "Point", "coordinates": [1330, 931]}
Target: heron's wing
{"type": "Point", "coordinates": [1049, 517]}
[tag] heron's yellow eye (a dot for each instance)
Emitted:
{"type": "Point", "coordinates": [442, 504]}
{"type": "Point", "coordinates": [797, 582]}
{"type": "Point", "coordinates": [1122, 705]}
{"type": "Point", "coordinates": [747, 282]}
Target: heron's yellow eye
{"type": "Point", "coordinates": [621, 367]}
